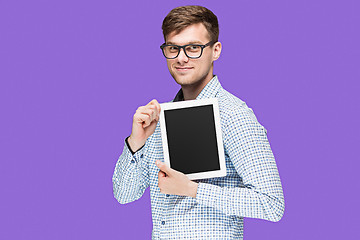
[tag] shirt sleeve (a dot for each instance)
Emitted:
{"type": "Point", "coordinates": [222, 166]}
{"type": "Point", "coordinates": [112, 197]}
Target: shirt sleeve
{"type": "Point", "coordinates": [131, 175]}
{"type": "Point", "coordinates": [261, 194]}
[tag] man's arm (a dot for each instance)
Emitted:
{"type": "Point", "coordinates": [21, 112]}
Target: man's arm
{"type": "Point", "coordinates": [131, 174]}
{"type": "Point", "coordinates": [261, 195]}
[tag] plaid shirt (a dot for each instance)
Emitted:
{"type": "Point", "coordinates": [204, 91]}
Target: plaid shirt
{"type": "Point", "coordinates": [251, 188]}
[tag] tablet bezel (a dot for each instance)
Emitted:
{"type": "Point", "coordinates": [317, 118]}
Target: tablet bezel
{"type": "Point", "coordinates": [188, 104]}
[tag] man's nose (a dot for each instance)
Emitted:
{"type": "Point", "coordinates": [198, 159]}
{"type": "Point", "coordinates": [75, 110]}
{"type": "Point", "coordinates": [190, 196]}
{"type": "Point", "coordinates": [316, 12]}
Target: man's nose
{"type": "Point", "coordinates": [182, 56]}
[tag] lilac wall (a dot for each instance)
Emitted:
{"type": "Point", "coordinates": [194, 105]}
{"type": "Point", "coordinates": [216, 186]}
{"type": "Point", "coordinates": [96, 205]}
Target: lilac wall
{"type": "Point", "coordinates": [73, 73]}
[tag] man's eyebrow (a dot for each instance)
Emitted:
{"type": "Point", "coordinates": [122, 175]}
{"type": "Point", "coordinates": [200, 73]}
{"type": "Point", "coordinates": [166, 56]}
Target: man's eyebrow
{"type": "Point", "coordinates": [192, 42]}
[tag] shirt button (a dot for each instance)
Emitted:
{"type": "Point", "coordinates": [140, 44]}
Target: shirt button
{"type": "Point", "coordinates": [167, 195]}
{"type": "Point", "coordinates": [163, 222]}
{"type": "Point", "coordinates": [132, 161]}
{"type": "Point", "coordinates": [142, 155]}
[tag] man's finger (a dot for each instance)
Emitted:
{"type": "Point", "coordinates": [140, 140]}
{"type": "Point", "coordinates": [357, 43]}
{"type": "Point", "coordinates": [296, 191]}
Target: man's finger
{"type": "Point", "coordinates": [155, 110]}
{"type": "Point", "coordinates": [156, 104]}
{"type": "Point", "coordinates": [151, 113]}
{"type": "Point", "coordinates": [143, 119]}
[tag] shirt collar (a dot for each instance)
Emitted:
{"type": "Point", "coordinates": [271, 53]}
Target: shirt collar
{"type": "Point", "coordinates": [209, 91]}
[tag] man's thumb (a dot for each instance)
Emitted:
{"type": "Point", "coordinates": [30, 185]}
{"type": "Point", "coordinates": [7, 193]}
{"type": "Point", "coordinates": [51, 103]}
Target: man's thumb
{"type": "Point", "coordinates": [163, 167]}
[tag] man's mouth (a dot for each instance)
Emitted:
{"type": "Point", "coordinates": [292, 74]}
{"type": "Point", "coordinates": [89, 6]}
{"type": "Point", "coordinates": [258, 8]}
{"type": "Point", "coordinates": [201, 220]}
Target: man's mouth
{"type": "Point", "coordinates": [182, 69]}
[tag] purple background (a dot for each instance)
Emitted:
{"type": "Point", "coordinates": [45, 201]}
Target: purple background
{"type": "Point", "coordinates": [73, 73]}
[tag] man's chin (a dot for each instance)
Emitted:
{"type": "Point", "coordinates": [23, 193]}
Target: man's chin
{"type": "Point", "coordinates": [184, 81]}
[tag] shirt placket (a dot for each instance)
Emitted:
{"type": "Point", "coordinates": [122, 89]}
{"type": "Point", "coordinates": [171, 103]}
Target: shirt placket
{"type": "Point", "coordinates": [165, 217]}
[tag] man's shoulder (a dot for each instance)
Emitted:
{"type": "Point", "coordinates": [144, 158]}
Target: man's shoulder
{"type": "Point", "coordinates": [233, 107]}
{"type": "Point", "coordinates": [231, 103]}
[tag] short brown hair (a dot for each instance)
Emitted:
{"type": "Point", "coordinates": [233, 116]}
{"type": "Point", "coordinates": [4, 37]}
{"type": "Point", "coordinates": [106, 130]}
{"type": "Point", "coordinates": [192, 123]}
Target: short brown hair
{"type": "Point", "coordinates": [181, 17]}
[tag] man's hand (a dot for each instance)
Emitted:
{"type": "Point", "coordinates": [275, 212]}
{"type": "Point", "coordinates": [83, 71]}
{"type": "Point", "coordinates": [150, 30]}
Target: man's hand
{"type": "Point", "coordinates": [144, 124]}
{"type": "Point", "coordinates": [174, 182]}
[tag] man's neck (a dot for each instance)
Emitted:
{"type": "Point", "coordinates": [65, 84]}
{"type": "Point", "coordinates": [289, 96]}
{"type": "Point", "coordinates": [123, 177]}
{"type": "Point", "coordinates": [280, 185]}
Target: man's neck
{"type": "Point", "coordinates": [190, 92]}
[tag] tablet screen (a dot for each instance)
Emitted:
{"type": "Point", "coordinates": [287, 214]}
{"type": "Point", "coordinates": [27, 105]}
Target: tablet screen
{"type": "Point", "coordinates": [191, 138]}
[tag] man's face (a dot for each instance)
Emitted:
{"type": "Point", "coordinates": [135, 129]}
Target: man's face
{"type": "Point", "coordinates": [187, 71]}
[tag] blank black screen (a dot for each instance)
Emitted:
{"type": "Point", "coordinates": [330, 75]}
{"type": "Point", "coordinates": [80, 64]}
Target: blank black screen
{"type": "Point", "coordinates": [191, 139]}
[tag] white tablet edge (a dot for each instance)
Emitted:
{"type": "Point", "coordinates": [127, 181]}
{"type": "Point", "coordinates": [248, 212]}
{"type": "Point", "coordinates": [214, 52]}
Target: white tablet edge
{"type": "Point", "coordinates": [194, 103]}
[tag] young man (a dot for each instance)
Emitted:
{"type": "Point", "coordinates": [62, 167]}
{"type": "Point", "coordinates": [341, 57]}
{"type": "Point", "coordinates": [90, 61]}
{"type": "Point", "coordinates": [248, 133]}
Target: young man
{"type": "Point", "coordinates": [210, 208]}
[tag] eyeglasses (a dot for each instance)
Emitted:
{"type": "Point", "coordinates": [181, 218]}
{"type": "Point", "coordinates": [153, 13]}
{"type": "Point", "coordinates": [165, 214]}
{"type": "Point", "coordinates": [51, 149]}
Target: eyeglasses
{"type": "Point", "coordinates": [193, 51]}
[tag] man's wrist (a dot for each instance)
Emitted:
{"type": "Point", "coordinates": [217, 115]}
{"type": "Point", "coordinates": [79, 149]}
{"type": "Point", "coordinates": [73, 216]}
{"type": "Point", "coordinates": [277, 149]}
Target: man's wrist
{"type": "Point", "coordinates": [133, 147]}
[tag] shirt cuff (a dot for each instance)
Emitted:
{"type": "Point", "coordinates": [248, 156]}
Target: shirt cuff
{"type": "Point", "coordinates": [135, 157]}
{"type": "Point", "coordinates": [127, 143]}
{"type": "Point", "coordinates": [206, 194]}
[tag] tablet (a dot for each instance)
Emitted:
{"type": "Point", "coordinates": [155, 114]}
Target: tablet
{"type": "Point", "coordinates": [192, 138]}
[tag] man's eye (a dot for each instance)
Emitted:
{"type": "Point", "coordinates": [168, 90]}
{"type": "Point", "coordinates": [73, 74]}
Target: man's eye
{"type": "Point", "coordinates": [173, 48]}
{"type": "Point", "coordinates": [193, 48]}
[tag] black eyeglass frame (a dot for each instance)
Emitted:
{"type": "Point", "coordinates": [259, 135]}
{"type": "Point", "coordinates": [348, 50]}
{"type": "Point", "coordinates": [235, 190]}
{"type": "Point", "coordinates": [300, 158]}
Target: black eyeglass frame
{"type": "Point", "coordinates": [183, 47]}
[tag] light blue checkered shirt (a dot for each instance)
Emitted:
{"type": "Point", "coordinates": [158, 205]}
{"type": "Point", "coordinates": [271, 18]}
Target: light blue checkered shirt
{"type": "Point", "coordinates": [251, 188]}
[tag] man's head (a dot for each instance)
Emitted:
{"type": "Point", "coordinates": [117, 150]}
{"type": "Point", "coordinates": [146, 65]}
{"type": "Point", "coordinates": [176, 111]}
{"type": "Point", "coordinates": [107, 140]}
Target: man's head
{"type": "Point", "coordinates": [181, 17]}
{"type": "Point", "coordinates": [192, 25]}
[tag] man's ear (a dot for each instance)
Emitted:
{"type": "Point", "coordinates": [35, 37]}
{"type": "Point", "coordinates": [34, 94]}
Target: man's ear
{"type": "Point", "coordinates": [216, 50]}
